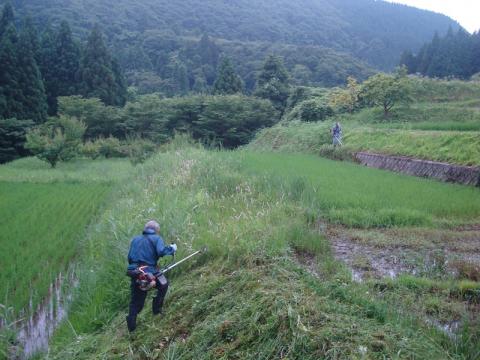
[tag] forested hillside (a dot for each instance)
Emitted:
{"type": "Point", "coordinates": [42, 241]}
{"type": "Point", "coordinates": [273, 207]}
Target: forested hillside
{"type": "Point", "coordinates": [454, 55]}
{"type": "Point", "coordinates": [323, 41]}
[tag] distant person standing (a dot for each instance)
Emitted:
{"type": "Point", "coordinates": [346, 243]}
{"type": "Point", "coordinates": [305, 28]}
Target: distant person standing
{"type": "Point", "coordinates": [337, 135]}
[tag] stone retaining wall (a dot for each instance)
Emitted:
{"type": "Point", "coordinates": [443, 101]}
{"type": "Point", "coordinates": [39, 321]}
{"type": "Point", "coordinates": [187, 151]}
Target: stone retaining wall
{"type": "Point", "coordinates": [428, 169]}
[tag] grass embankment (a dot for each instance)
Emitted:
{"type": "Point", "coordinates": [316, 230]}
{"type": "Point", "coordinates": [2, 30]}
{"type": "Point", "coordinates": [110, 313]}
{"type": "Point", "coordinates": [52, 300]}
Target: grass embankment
{"type": "Point", "coordinates": [44, 214]}
{"type": "Point", "coordinates": [249, 297]}
{"type": "Point", "coordinates": [455, 147]}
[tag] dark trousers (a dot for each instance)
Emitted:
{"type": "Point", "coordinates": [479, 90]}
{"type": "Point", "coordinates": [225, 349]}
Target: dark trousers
{"type": "Point", "coordinates": [137, 301]}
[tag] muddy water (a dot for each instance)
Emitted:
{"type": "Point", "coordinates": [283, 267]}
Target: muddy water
{"type": "Point", "coordinates": [35, 332]}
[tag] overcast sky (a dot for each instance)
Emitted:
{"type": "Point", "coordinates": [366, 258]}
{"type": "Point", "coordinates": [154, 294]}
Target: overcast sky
{"type": "Point", "coordinates": [466, 12]}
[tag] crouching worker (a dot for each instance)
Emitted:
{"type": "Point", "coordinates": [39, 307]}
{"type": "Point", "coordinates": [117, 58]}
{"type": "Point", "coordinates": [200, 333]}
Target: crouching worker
{"type": "Point", "coordinates": [145, 250]}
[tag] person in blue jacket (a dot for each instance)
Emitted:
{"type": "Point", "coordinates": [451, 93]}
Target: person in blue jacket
{"type": "Point", "coordinates": [145, 250]}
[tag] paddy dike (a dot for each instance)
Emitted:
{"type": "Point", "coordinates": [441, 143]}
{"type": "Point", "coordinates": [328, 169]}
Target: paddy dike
{"type": "Point", "coordinates": [466, 175]}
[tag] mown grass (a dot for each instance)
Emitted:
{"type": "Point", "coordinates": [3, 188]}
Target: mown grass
{"type": "Point", "coordinates": [248, 297]}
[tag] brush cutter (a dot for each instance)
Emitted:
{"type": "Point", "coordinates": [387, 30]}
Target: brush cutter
{"type": "Point", "coordinates": [339, 141]}
{"type": "Point", "coordinates": [147, 281]}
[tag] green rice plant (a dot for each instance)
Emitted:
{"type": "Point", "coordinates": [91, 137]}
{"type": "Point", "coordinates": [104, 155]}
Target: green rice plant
{"type": "Point", "coordinates": [356, 196]}
{"type": "Point", "coordinates": [40, 226]}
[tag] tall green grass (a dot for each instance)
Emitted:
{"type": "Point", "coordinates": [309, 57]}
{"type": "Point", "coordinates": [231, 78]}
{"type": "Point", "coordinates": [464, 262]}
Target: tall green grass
{"type": "Point", "coordinates": [247, 297]}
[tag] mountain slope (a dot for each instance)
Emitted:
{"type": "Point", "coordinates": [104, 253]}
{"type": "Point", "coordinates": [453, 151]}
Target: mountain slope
{"type": "Point", "coordinates": [374, 31]}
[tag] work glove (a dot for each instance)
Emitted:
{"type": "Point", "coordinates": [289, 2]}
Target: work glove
{"type": "Point", "coordinates": [174, 247]}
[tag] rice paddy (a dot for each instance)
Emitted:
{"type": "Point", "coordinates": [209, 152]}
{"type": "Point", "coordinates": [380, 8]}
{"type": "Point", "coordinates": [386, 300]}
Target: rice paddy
{"type": "Point", "coordinates": [44, 215]}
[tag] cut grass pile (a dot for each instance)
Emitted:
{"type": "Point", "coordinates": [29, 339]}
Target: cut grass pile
{"type": "Point", "coordinates": [248, 297]}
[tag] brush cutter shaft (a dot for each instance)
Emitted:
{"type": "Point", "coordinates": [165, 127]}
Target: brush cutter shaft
{"type": "Point", "coordinates": [170, 267]}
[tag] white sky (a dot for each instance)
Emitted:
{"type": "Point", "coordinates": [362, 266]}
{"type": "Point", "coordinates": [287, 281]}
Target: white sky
{"type": "Point", "coordinates": [466, 12]}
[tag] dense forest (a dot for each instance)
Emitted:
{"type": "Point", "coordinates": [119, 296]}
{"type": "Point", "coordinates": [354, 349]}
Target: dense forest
{"type": "Point", "coordinates": [454, 55]}
{"type": "Point", "coordinates": [35, 71]}
{"type": "Point", "coordinates": [322, 41]}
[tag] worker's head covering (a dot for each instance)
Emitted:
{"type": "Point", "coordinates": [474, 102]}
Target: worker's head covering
{"type": "Point", "coordinates": [153, 225]}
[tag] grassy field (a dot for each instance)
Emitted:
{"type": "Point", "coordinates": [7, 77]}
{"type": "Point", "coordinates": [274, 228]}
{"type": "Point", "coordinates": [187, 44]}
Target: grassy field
{"type": "Point", "coordinates": [270, 285]}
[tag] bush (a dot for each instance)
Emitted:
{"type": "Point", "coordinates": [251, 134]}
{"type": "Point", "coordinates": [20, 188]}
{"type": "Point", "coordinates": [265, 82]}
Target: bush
{"type": "Point", "coordinates": [110, 147]}
{"type": "Point", "coordinates": [315, 110]}
{"type": "Point", "coordinates": [57, 140]}
{"type": "Point", "coordinates": [91, 149]}
{"type": "Point", "coordinates": [139, 150]}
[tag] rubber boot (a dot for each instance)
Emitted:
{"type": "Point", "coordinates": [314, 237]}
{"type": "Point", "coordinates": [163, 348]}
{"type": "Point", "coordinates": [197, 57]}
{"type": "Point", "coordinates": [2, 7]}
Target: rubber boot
{"type": "Point", "coordinates": [131, 323]}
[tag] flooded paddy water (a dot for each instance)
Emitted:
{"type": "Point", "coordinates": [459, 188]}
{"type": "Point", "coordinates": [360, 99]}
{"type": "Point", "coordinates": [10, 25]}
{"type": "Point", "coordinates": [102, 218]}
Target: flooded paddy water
{"type": "Point", "coordinates": [35, 330]}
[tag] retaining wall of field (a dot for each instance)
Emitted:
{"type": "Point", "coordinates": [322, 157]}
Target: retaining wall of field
{"type": "Point", "coordinates": [466, 175]}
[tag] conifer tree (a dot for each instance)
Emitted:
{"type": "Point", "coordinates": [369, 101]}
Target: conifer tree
{"type": "Point", "coordinates": [22, 94]}
{"type": "Point", "coordinates": [273, 83]}
{"type": "Point", "coordinates": [227, 82]}
{"type": "Point", "coordinates": [209, 54]}
{"type": "Point", "coordinates": [67, 66]}
{"type": "Point", "coordinates": [32, 35]}
{"type": "Point", "coordinates": [34, 100]}
{"type": "Point", "coordinates": [120, 92]}
{"type": "Point", "coordinates": [48, 63]}
{"type": "Point", "coordinates": [10, 90]}
{"type": "Point", "coordinates": [97, 74]}
{"type": "Point", "coordinates": [178, 82]}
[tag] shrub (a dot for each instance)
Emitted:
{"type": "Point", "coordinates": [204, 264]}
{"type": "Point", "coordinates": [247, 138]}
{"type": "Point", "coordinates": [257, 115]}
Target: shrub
{"type": "Point", "coordinates": [110, 147]}
{"type": "Point", "coordinates": [139, 150]}
{"type": "Point", "coordinates": [91, 149]}
{"type": "Point", "coordinates": [57, 140]}
{"type": "Point", "coordinates": [315, 110]}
